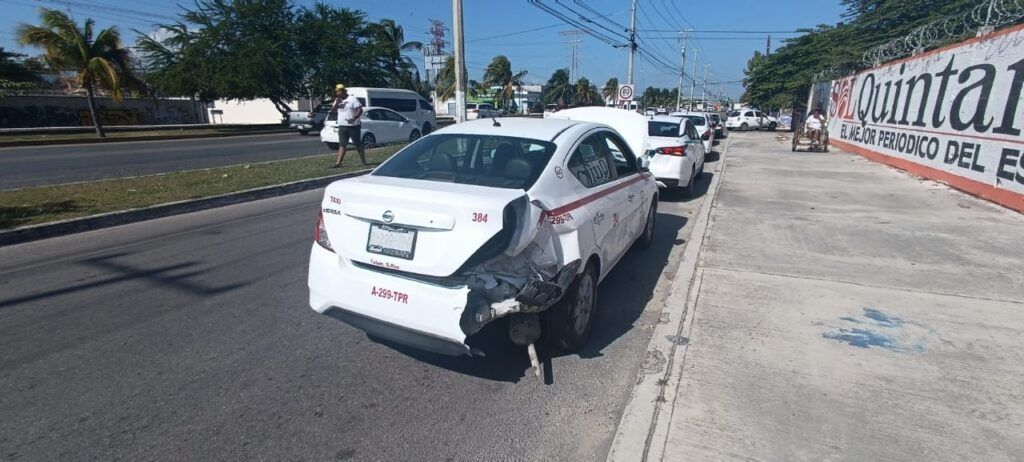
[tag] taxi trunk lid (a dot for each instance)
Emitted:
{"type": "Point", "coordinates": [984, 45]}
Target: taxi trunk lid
{"type": "Point", "coordinates": [422, 227]}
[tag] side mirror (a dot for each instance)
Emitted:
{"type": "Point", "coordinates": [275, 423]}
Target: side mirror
{"type": "Point", "coordinates": [643, 164]}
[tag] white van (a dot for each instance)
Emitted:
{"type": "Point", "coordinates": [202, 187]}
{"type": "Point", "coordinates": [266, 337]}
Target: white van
{"type": "Point", "coordinates": [406, 102]}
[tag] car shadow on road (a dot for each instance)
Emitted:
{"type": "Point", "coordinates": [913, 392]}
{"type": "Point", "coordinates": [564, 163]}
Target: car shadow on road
{"type": "Point", "coordinates": [623, 296]}
{"type": "Point", "coordinates": [679, 195]}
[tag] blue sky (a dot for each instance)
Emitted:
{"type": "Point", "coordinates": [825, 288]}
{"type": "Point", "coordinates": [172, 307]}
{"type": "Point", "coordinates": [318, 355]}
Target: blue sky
{"type": "Point", "coordinates": [539, 51]}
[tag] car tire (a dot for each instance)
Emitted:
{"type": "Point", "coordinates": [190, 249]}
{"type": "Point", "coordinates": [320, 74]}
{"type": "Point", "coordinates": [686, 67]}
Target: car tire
{"type": "Point", "coordinates": [647, 236]}
{"type": "Point", "coordinates": [369, 140]}
{"type": "Point", "coordinates": [567, 323]}
{"type": "Point", "coordinates": [415, 135]}
{"type": "Point", "coordinates": [332, 146]}
{"type": "Point", "coordinates": [426, 128]}
{"type": "Point", "coordinates": [303, 131]}
{"type": "Point", "coordinates": [744, 127]}
{"type": "Point", "coordinates": [772, 126]}
{"type": "Point", "coordinates": [690, 190]}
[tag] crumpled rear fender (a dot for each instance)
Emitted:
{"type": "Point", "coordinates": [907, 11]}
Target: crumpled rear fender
{"type": "Point", "coordinates": [528, 277]}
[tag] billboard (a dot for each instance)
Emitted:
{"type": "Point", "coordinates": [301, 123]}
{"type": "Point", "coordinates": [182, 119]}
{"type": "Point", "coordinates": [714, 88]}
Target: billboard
{"type": "Point", "coordinates": [954, 115]}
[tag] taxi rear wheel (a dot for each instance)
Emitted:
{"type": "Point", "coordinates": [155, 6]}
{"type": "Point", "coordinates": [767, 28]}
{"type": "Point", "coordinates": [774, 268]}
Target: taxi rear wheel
{"type": "Point", "coordinates": [647, 237]}
{"type": "Point", "coordinates": [567, 323]}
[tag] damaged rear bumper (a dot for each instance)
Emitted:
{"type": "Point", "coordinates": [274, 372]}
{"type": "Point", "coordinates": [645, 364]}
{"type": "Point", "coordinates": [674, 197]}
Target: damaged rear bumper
{"type": "Point", "coordinates": [428, 315]}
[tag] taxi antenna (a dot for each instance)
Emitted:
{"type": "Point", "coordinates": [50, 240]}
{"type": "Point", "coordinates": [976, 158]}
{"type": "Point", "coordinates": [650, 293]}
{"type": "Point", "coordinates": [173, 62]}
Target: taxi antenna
{"type": "Point", "coordinates": [496, 124]}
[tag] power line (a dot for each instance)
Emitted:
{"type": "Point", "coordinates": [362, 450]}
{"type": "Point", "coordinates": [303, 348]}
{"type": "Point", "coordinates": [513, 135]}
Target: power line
{"type": "Point", "coordinates": [509, 34]}
{"type": "Point", "coordinates": [723, 31]}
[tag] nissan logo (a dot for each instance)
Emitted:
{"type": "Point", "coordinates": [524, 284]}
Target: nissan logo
{"type": "Point", "coordinates": [388, 216]}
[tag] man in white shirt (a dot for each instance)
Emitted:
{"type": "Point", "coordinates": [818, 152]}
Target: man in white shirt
{"type": "Point", "coordinates": [349, 111]}
{"type": "Point", "coordinates": [814, 123]}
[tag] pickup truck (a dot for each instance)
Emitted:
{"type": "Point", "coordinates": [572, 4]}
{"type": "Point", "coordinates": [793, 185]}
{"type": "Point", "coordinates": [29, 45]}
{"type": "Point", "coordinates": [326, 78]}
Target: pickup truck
{"type": "Point", "coordinates": [309, 121]}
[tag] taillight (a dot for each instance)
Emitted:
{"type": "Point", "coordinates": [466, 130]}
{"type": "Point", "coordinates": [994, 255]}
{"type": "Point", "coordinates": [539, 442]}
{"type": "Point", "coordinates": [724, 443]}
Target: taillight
{"type": "Point", "coordinates": [672, 151]}
{"type": "Point", "coordinates": [320, 233]}
{"type": "Point", "coordinates": [706, 136]}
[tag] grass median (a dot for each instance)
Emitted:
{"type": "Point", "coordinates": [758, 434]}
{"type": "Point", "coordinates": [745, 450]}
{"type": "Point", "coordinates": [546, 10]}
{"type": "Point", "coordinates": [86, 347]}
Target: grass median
{"type": "Point", "coordinates": [116, 135]}
{"type": "Point", "coordinates": [29, 206]}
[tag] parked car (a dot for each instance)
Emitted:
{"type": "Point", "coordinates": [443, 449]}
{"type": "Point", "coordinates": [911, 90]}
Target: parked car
{"type": "Point", "coordinates": [405, 102]}
{"type": "Point", "coordinates": [702, 122]}
{"type": "Point", "coordinates": [379, 125]}
{"type": "Point", "coordinates": [675, 151]}
{"type": "Point", "coordinates": [481, 111]}
{"type": "Point", "coordinates": [748, 119]}
{"type": "Point", "coordinates": [771, 122]}
{"type": "Point", "coordinates": [480, 221]}
{"type": "Point", "coordinates": [307, 121]}
{"type": "Point", "coordinates": [718, 124]}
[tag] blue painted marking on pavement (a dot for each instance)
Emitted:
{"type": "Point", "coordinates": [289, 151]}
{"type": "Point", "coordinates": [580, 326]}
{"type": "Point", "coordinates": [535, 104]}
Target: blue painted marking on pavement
{"type": "Point", "coordinates": [880, 330]}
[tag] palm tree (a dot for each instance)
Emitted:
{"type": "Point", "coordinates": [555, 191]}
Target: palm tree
{"type": "Point", "coordinates": [584, 93]}
{"type": "Point", "coordinates": [611, 89]}
{"type": "Point", "coordinates": [558, 88]}
{"type": "Point", "coordinates": [391, 38]}
{"type": "Point", "coordinates": [499, 74]}
{"type": "Point", "coordinates": [99, 62]}
{"type": "Point", "coordinates": [444, 82]}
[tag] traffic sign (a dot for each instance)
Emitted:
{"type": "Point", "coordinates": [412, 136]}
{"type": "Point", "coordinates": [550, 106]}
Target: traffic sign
{"type": "Point", "coordinates": [626, 92]}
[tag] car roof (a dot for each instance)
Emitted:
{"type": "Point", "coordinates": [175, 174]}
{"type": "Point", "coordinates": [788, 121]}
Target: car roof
{"type": "Point", "coordinates": [520, 127]}
{"type": "Point", "coordinates": [689, 113]}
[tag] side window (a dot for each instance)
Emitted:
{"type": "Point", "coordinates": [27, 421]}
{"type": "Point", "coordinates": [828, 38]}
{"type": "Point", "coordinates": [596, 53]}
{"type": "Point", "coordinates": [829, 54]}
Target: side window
{"type": "Point", "coordinates": [691, 131]}
{"type": "Point", "coordinates": [758, 114]}
{"type": "Point", "coordinates": [393, 117]}
{"type": "Point", "coordinates": [426, 106]}
{"type": "Point", "coordinates": [374, 115]}
{"type": "Point", "coordinates": [362, 101]}
{"type": "Point", "coordinates": [591, 162]}
{"type": "Point", "coordinates": [396, 104]}
{"type": "Point", "coordinates": [749, 114]}
{"type": "Point", "coordinates": [622, 156]}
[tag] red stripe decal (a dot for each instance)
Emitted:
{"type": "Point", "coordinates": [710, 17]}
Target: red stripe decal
{"type": "Point", "coordinates": [593, 197]}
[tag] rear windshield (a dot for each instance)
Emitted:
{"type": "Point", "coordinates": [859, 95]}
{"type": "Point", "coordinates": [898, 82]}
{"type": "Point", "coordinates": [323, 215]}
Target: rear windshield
{"type": "Point", "coordinates": [696, 119]}
{"type": "Point", "coordinates": [495, 161]}
{"type": "Point", "coordinates": [734, 114]}
{"type": "Point", "coordinates": [670, 129]}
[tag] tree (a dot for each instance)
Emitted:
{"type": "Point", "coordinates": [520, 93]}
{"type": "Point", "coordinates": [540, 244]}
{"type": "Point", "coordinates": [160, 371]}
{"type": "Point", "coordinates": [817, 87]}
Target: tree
{"type": "Point", "coordinates": [585, 93]}
{"type": "Point", "coordinates": [388, 43]}
{"type": "Point", "coordinates": [14, 67]}
{"type": "Point", "coordinates": [168, 67]}
{"type": "Point", "coordinates": [499, 74]}
{"type": "Point", "coordinates": [610, 91]}
{"type": "Point", "coordinates": [559, 89]}
{"type": "Point", "coordinates": [98, 61]}
{"type": "Point", "coordinates": [444, 81]}
{"type": "Point", "coordinates": [241, 49]}
{"type": "Point", "coordinates": [342, 59]}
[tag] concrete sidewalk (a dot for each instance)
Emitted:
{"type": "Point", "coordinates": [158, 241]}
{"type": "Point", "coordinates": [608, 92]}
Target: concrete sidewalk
{"type": "Point", "coordinates": [843, 310]}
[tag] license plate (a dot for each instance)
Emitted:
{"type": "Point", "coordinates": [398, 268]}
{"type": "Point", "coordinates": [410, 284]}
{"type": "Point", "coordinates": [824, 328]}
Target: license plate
{"type": "Point", "coordinates": [393, 241]}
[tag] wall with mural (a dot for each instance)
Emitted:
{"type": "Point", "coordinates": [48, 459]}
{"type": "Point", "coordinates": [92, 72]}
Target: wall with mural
{"type": "Point", "coordinates": [73, 111]}
{"type": "Point", "coordinates": [952, 115]}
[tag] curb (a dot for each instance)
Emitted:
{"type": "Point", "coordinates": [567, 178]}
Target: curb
{"type": "Point", "coordinates": [106, 220]}
{"type": "Point", "coordinates": [640, 434]}
{"type": "Point", "coordinates": [17, 144]}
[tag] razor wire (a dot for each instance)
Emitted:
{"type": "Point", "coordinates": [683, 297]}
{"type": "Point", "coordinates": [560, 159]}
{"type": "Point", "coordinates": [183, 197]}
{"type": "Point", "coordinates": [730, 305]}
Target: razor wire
{"type": "Point", "coordinates": [981, 19]}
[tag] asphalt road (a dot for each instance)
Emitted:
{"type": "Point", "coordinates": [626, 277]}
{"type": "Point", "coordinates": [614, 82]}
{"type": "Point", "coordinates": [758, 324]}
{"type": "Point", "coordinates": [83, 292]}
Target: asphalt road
{"type": "Point", "coordinates": [45, 165]}
{"type": "Point", "coordinates": [189, 338]}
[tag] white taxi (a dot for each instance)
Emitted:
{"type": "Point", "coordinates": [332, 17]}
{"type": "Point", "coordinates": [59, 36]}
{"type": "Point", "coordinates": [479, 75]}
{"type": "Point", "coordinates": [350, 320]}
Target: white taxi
{"type": "Point", "coordinates": [478, 221]}
{"type": "Point", "coordinates": [676, 152]}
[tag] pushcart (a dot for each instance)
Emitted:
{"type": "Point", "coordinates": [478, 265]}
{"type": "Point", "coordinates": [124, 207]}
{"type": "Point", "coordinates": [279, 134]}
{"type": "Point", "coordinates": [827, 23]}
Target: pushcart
{"type": "Point", "coordinates": [802, 140]}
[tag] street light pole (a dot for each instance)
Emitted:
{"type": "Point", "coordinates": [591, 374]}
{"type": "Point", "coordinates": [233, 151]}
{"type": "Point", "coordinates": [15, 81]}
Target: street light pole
{"type": "Point", "coordinates": [704, 88]}
{"type": "Point", "coordinates": [460, 62]}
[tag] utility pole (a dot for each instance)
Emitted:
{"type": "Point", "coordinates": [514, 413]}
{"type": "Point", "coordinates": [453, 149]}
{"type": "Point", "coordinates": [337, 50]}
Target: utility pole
{"type": "Point", "coordinates": [768, 48]}
{"type": "Point", "coordinates": [632, 44]}
{"type": "Point", "coordinates": [682, 70]}
{"type": "Point", "coordinates": [693, 78]}
{"type": "Point", "coordinates": [704, 88]}
{"type": "Point", "coordinates": [460, 63]}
